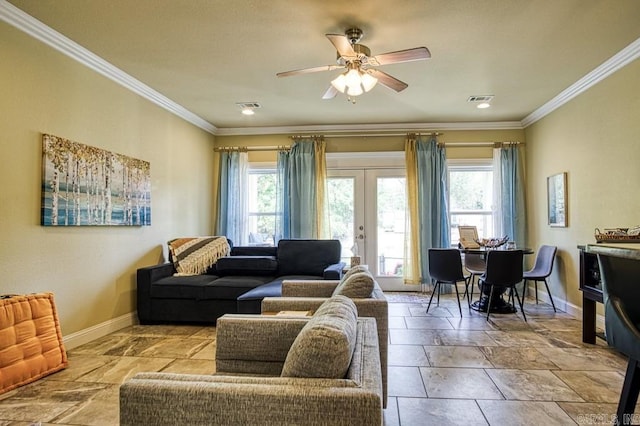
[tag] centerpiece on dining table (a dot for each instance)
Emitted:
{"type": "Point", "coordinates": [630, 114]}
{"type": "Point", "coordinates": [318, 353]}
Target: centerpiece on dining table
{"type": "Point", "coordinates": [492, 243]}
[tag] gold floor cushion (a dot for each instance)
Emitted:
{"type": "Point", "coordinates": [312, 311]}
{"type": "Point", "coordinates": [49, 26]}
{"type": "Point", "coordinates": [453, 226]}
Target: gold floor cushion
{"type": "Point", "coordinates": [30, 340]}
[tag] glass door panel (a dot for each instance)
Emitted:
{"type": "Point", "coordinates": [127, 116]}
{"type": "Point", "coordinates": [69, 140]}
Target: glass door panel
{"type": "Point", "coordinates": [391, 224]}
{"type": "Point", "coordinates": [385, 215]}
{"type": "Point", "coordinates": [341, 197]}
{"type": "Point", "coordinates": [367, 215]}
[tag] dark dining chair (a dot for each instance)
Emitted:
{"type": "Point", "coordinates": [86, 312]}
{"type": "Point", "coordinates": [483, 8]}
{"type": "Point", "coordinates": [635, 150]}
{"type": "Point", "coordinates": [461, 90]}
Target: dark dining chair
{"type": "Point", "coordinates": [541, 270]}
{"type": "Point", "coordinates": [621, 291]}
{"type": "Point", "coordinates": [504, 271]}
{"type": "Point", "coordinates": [445, 267]}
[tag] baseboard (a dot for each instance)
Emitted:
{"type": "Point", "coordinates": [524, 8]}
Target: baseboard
{"type": "Point", "coordinates": [570, 308]}
{"type": "Point", "coordinates": [81, 337]}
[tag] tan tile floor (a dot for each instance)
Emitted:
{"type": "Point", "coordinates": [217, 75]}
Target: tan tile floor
{"type": "Point", "coordinates": [443, 369]}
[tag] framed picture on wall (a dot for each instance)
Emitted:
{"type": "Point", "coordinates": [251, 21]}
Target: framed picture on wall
{"type": "Point", "coordinates": [557, 199]}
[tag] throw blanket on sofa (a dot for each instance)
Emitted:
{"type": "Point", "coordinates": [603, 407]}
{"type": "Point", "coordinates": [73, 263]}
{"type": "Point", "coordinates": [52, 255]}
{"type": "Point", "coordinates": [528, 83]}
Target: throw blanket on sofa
{"type": "Point", "coordinates": [193, 256]}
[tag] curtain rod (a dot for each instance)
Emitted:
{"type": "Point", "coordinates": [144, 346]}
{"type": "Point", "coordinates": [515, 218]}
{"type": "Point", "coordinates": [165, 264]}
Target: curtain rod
{"type": "Point", "coordinates": [252, 148]}
{"type": "Point", "coordinates": [449, 144]}
{"type": "Point", "coordinates": [478, 144]}
{"type": "Point", "coordinates": [366, 135]}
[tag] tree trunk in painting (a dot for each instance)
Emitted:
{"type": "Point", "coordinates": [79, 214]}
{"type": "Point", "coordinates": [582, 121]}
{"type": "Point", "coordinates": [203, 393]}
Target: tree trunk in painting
{"type": "Point", "coordinates": [55, 190]}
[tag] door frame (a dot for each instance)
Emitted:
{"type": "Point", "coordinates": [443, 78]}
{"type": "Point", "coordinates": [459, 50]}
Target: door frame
{"type": "Point", "coordinates": [378, 164]}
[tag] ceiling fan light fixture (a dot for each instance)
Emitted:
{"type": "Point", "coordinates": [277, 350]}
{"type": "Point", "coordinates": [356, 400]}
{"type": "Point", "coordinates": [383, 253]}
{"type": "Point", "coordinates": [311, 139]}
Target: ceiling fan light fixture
{"type": "Point", "coordinates": [354, 82]}
{"type": "Point", "coordinates": [355, 90]}
{"type": "Point", "coordinates": [368, 81]}
{"type": "Point", "coordinates": [339, 83]}
{"type": "Point", "coordinates": [247, 111]}
{"type": "Point", "coordinates": [352, 78]}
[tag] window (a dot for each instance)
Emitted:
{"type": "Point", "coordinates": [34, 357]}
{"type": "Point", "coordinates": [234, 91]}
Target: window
{"type": "Point", "coordinates": [262, 207]}
{"type": "Point", "coordinates": [471, 197]}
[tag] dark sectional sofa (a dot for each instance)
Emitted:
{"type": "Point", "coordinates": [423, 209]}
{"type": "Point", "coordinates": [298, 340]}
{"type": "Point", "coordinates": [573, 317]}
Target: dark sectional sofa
{"type": "Point", "coordinates": [235, 284]}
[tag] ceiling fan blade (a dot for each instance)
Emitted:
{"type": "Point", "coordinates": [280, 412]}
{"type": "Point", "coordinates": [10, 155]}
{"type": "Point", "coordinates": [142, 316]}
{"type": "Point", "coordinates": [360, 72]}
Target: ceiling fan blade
{"type": "Point", "coordinates": [330, 93]}
{"type": "Point", "coordinates": [342, 45]}
{"type": "Point", "coordinates": [309, 70]}
{"type": "Point", "coordinates": [388, 81]}
{"type": "Point", "coordinates": [408, 55]}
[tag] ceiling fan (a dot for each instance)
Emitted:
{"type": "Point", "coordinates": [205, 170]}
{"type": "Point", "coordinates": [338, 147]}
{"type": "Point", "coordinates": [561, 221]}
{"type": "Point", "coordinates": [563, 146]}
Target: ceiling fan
{"type": "Point", "coordinates": [360, 76]}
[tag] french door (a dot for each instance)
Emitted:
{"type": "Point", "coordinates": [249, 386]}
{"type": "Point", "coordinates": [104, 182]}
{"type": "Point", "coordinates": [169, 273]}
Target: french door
{"type": "Point", "coordinates": [367, 214]}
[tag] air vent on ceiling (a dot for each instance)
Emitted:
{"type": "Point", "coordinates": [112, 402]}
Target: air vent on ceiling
{"type": "Point", "coordinates": [250, 105]}
{"type": "Point", "coordinates": [482, 98]}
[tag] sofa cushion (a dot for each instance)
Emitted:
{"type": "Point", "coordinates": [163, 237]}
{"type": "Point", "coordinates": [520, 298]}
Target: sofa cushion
{"type": "Point", "coordinates": [309, 257]}
{"type": "Point", "coordinates": [358, 285]}
{"type": "Point", "coordinates": [254, 251]}
{"type": "Point", "coordinates": [273, 288]}
{"type": "Point", "coordinates": [31, 345]}
{"type": "Point", "coordinates": [324, 346]}
{"type": "Point", "coordinates": [232, 286]}
{"type": "Point", "coordinates": [246, 265]}
{"type": "Point", "coordinates": [178, 287]}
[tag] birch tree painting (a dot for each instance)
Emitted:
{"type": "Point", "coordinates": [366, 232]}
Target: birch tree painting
{"type": "Point", "coordinates": [83, 185]}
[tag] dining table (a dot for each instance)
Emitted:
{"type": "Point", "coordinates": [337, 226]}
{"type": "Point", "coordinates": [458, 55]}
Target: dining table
{"type": "Point", "coordinates": [498, 304]}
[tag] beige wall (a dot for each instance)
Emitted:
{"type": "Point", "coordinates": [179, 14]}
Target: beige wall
{"type": "Point", "coordinates": [595, 138]}
{"type": "Point", "coordinates": [91, 270]}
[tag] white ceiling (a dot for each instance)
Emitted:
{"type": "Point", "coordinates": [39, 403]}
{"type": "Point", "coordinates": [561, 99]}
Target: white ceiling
{"type": "Point", "coordinates": [206, 55]}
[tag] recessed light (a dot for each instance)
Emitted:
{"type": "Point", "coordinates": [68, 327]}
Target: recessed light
{"type": "Point", "coordinates": [481, 101]}
{"type": "Point", "coordinates": [248, 108]}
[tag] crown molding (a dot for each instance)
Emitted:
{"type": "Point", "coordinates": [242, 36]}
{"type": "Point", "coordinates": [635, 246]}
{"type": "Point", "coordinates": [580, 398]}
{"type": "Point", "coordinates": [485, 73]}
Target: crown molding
{"type": "Point", "coordinates": [613, 64]}
{"type": "Point", "coordinates": [367, 128]}
{"type": "Point", "coordinates": [36, 29]}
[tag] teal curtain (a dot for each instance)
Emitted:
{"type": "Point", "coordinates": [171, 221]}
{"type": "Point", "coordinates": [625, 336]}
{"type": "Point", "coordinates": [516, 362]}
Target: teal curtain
{"type": "Point", "coordinates": [232, 193]}
{"type": "Point", "coordinates": [283, 220]}
{"type": "Point", "coordinates": [297, 168]}
{"type": "Point", "coordinates": [433, 199]}
{"type": "Point", "coordinates": [512, 194]}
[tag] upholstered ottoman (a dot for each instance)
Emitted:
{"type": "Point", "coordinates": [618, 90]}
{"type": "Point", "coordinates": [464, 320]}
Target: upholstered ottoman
{"type": "Point", "coordinates": [30, 340]}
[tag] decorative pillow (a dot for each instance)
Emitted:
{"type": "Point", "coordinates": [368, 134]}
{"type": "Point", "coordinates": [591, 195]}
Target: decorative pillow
{"type": "Point", "coordinates": [31, 344]}
{"type": "Point", "coordinates": [324, 346]}
{"type": "Point", "coordinates": [357, 286]}
{"type": "Point", "coordinates": [193, 256]}
{"type": "Point", "coordinates": [353, 270]}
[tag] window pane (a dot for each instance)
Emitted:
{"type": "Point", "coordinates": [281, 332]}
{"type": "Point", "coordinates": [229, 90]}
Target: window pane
{"type": "Point", "coordinates": [391, 223]}
{"type": "Point", "coordinates": [262, 207]}
{"type": "Point", "coordinates": [341, 199]}
{"type": "Point", "coordinates": [470, 190]}
{"type": "Point", "coordinates": [470, 200]}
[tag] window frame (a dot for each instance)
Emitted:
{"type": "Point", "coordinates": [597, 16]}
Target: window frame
{"type": "Point", "coordinates": [471, 165]}
{"type": "Point", "coordinates": [260, 169]}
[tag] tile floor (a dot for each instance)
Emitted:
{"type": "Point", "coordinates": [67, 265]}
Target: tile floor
{"type": "Point", "coordinates": [443, 369]}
